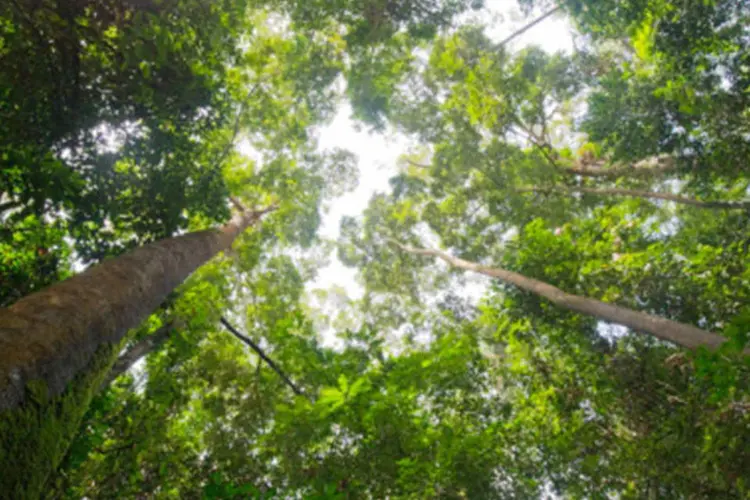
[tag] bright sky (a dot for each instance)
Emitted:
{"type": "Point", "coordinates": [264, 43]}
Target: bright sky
{"type": "Point", "coordinates": [378, 153]}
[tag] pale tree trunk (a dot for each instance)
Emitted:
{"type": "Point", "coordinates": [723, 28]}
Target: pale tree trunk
{"type": "Point", "coordinates": [651, 167]}
{"type": "Point", "coordinates": [138, 351]}
{"type": "Point", "coordinates": [634, 193]}
{"type": "Point", "coordinates": [50, 336]}
{"type": "Point", "coordinates": [523, 29]}
{"type": "Point", "coordinates": [664, 329]}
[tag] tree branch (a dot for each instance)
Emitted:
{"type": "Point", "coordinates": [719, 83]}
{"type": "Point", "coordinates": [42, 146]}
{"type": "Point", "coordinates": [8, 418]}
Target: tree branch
{"type": "Point", "coordinates": [539, 142]}
{"type": "Point", "coordinates": [416, 164]}
{"type": "Point", "coordinates": [236, 203]}
{"type": "Point", "coordinates": [235, 131]}
{"type": "Point", "coordinates": [8, 205]}
{"type": "Point", "coordinates": [527, 27]}
{"type": "Point", "coordinates": [247, 218]}
{"type": "Point", "coordinates": [139, 350]}
{"type": "Point", "coordinates": [263, 356]}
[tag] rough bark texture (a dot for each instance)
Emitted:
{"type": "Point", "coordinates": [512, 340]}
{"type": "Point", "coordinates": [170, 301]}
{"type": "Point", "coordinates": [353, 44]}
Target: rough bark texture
{"type": "Point", "coordinates": [665, 329]}
{"type": "Point", "coordinates": [137, 351]}
{"type": "Point", "coordinates": [51, 335]}
{"type": "Point", "coordinates": [641, 194]}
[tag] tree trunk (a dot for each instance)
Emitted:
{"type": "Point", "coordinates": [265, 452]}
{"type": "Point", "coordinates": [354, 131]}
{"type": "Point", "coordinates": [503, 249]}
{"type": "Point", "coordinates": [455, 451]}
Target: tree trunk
{"type": "Point", "coordinates": [50, 336]}
{"type": "Point", "coordinates": [641, 194]}
{"type": "Point", "coordinates": [651, 167]}
{"type": "Point", "coordinates": [138, 351]}
{"type": "Point", "coordinates": [664, 329]}
{"type": "Point", "coordinates": [528, 26]}
{"type": "Point", "coordinates": [8, 205]}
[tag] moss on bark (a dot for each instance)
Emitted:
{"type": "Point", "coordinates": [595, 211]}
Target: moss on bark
{"type": "Point", "coordinates": [35, 436]}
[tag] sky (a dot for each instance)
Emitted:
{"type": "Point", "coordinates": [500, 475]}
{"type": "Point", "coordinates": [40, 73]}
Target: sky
{"type": "Point", "coordinates": [379, 153]}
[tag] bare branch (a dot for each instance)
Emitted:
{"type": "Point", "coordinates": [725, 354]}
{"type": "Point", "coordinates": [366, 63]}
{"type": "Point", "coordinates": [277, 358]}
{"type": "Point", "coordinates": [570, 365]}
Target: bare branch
{"type": "Point", "coordinates": [527, 27]}
{"type": "Point", "coordinates": [263, 356]}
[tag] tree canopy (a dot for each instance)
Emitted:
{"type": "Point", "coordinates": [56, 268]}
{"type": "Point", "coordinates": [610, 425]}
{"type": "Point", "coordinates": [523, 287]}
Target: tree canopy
{"type": "Point", "coordinates": [552, 297]}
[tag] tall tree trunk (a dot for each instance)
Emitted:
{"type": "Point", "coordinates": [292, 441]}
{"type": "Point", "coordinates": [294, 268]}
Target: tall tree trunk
{"type": "Point", "coordinates": [51, 335]}
{"type": "Point", "coordinates": [650, 167]}
{"type": "Point", "coordinates": [64, 336]}
{"type": "Point", "coordinates": [665, 329]}
{"type": "Point", "coordinates": [523, 29]}
{"type": "Point", "coordinates": [138, 351]}
{"type": "Point", "coordinates": [640, 194]}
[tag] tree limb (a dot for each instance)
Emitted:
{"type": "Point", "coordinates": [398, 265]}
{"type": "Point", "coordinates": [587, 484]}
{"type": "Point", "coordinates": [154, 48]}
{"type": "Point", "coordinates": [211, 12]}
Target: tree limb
{"type": "Point", "coordinates": [416, 164]}
{"type": "Point", "coordinates": [237, 204]}
{"type": "Point", "coordinates": [259, 352]}
{"type": "Point", "coordinates": [235, 131]}
{"type": "Point", "coordinates": [527, 27]}
{"type": "Point", "coordinates": [139, 350]}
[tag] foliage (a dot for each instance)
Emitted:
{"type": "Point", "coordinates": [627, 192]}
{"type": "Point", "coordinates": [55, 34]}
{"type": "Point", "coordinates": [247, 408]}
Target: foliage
{"type": "Point", "coordinates": [26, 469]}
{"type": "Point", "coordinates": [615, 172]}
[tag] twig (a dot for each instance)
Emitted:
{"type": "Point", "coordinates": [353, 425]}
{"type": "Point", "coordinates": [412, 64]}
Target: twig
{"type": "Point", "coordinates": [236, 130]}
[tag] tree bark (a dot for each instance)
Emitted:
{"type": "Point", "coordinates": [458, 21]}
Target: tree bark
{"type": "Point", "coordinates": [664, 329]}
{"type": "Point", "coordinates": [640, 194]}
{"type": "Point", "coordinates": [138, 351]}
{"type": "Point", "coordinates": [51, 335]}
{"type": "Point", "coordinates": [651, 167]}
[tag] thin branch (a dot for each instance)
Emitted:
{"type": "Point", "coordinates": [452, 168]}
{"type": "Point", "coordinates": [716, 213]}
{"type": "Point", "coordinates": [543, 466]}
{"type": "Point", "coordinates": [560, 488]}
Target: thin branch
{"type": "Point", "coordinates": [539, 142]}
{"type": "Point", "coordinates": [679, 333]}
{"type": "Point", "coordinates": [416, 164]}
{"type": "Point", "coordinates": [263, 356]}
{"type": "Point", "coordinates": [236, 130]}
{"type": "Point", "coordinates": [528, 26]}
{"type": "Point", "coordinates": [270, 208]}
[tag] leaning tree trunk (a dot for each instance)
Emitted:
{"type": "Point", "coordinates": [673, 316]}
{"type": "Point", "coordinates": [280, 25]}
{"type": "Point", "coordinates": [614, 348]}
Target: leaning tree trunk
{"type": "Point", "coordinates": [664, 329]}
{"type": "Point", "coordinates": [57, 345]}
{"type": "Point", "coordinates": [635, 193]}
{"type": "Point", "coordinates": [650, 167]}
{"type": "Point", "coordinates": [138, 351]}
